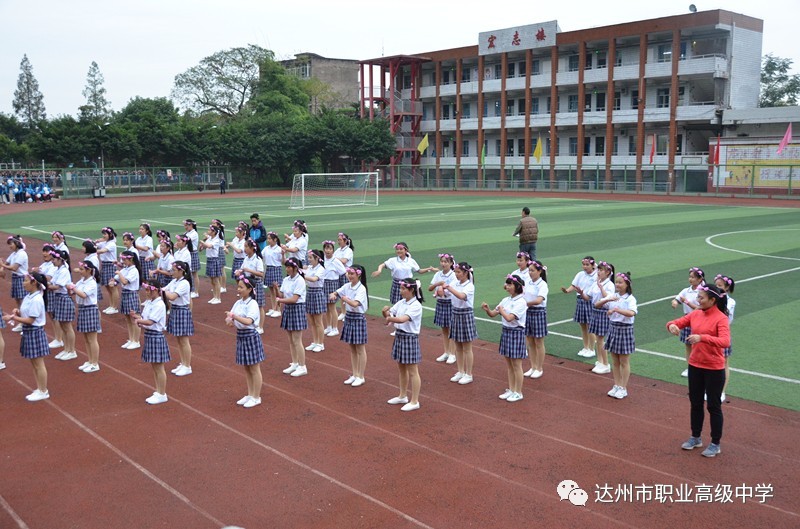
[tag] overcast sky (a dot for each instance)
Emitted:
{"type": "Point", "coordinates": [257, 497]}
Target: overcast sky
{"type": "Point", "coordinates": [142, 45]}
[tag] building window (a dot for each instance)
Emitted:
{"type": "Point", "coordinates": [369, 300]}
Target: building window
{"type": "Point", "coordinates": [407, 81]}
{"type": "Point", "coordinates": [520, 107]}
{"type": "Point", "coordinates": [521, 69]}
{"type": "Point", "coordinates": [573, 63]}
{"type": "Point", "coordinates": [617, 59]}
{"type": "Point", "coordinates": [534, 105]}
{"type": "Point", "coordinates": [600, 101]}
{"type": "Point", "coordinates": [547, 147]}
{"type": "Point", "coordinates": [679, 145]}
{"type": "Point", "coordinates": [573, 146]}
{"type": "Point", "coordinates": [445, 77]}
{"type": "Point", "coordinates": [498, 148]}
{"type": "Point", "coordinates": [599, 145]}
{"type": "Point", "coordinates": [536, 67]}
{"type": "Point", "coordinates": [662, 98]}
{"type": "Point", "coordinates": [572, 103]}
{"type": "Point", "coordinates": [601, 58]}
{"type": "Point", "coordinates": [445, 111]}
{"type": "Point", "coordinates": [465, 111]}
{"type": "Point", "coordinates": [587, 102]}
{"type": "Point", "coordinates": [635, 99]}
{"type": "Point", "coordinates": [588, 60]}
{"type": "Point", "coordinates": [521, 147]}
{"type": "Point", "coordinates": [509, 147]}
{"type": "Point", "coordinates": [509, 107]}
{"type": "Point", "coordinates": [587, 146]}
{"type": "Point", "coordinates": [631, 145]}
{"type": "Point", "coordinates": [681, 92]}
{"type": "Point", "coordinates": [498, 71]}
{"type": "Point", "coordinates": [497, 109]}
{"type": "Point", "coordinates": [465, 148]}
{"type": "Point", "coordinates": [446, 149]}
{"type": "Point", "coordinates": [664, 53]}
{"type": "Point", "coordinates": [617, 100]}
{"type": "Point", "coordinates": [305, 70]}
{"type": "Point", "coordinates": [466, 74]}
{"type": "Point", "coordinates": [615, 148]}
{"type": "Point", "coordinates": [485, 109]}
{"type": "Point", "coordinates": [511, 70]}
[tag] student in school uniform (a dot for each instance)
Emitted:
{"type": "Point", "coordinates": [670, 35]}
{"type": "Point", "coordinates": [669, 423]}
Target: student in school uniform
{"type": "Point", "coordinates": [406, 316]}
{"type": "Point", "coordinates": [621, 343]}
{"type": "Point", "coordinates": [355, 296]}
{"type": "Point", "coordinates": [583, 309]}
{"type": "Point", "coordinates": [688, 299]}
{"type": "Point", "coordinates": [48, 270]}
{"type": "Point", "coordinates": [144, 246]}
{"type": "Point", "coordinates": [129, 278]}
{"type": "Point", "coordinates": [273, 272]}
{"type": "Point", "coordinates": [182, 251]}
{"type": "Point", "coordinates": [293, 317]}
{"type": "Point", "coordinates": [59, 241]}
{"type": "Point", "coordinates": [214, 271]}
{"type": "Point", "coordinates": [222, 253]}
{"type": "Point", "coordinates": [63, 306]}
{"type": "Point", "coordinates": [252, 267]}
{"type": "Point", "coordinates": [162, 274]}
{"type": "Point", "coordinates": [402, 266]}
{"type": "Point", "coordinates": [599, 324]}
{"type": "Point", "coordinates": [345, 253]}
{"type": "Point", "coordinates": [180, 323]}
{"type": "Point", "coordinates": [33, 342]}
{"type": "Point", "coordinates": [513, 309]}
{"type": "Point", "coordinates": [249, 349]}
{"type": "Point", "coordinates": [155, 352]}
{"type": "Point", "coordinates": [107, 254]}
{"type": "Point", "coordinates": [85, 292]}
{"type": "Point", "coordinates": [194, 247]}
{"type": "Point", "coordinates": [463, 331]}
{"type": "Point", "coordinates": [443, 316]}
{"type": "Point", "coordinates": [535, 293]}
{"type": "Point", "coordinates": [334, 270]}
{"type": "Point", "coordinates": [296, 243]}
{"type": "Point", "coordinates": [314, 274]}
{"type": "Point", "coordinates": [236, 245]}
{"type": "Point", "coordinates": [17, 263]}
{"type": "Point", "coordinates": [523, 262]}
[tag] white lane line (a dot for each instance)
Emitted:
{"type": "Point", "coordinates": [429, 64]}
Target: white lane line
{"type": "Point", "coordinates": [11, 512]}
{"type": "Point", "coordinates": [711, 237]}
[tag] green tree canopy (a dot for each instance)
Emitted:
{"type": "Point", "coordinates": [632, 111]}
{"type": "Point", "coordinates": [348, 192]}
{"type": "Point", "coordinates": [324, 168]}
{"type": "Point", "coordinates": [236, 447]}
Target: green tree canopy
{"type": "Point", "coordinates": [97, 107]}
{"type": "Point", "coordinates": [778, 87]}
{"type": "Point", "coordinates": [28, 100]}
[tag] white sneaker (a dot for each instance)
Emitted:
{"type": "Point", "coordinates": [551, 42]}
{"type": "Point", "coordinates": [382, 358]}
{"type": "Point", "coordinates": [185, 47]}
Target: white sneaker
{"type": "Point", "coordinates": [613, 392]}
{"type": "Point", "coordinates": [214, 301]}
{"type": "Point", "coordinates": [586, 353]}
{"type": "Point", "coordinates": [124, 346]}
{"type": "Point", "coordinates": [37, 395]}
{"type": "Point", "coordinates": [341, 317]}
{"type": "Point", "coordinates": [58, 356]}
{"type": "Point", "coordinates": [392, 333]}
{"type": "Point", "coordinates": [260, 330]}
{"type": "Point", "coordinates": [514, 397]}
{"type": "Point", "coordinates": [223, 290]}
{"type": "Point", "coordinates": [350, 380]}
{"type": "Point", "coordinates": [602, 369]}
{"type": "Point", "coordinates": [504, 395]}
{"type": "Point", "coordinates": [621, 393]}
{"type": "Point", "coordinates": [275, 314]}
{"type": "Point", "coordinates": [253, 402]}
{"type": "Point", "coordinates": [194, 295]}
{"type": "Point", "coordinates": [291, 368]}
{"type": "Point", "coordinates": [92, 368]}
{"type": "Point", "coordinates": [318, 348]}
{"type": "Point", "coordinates": [299, 371]}
{"type": "Point", "coordinates": [443, 358]}
{"type": "Point", "coordinates": [157, 398]}
{"type": "Point", "coordinates": [111, 310]}
{"type": "Point", "coordinates": [311, 346]}
{"type": "Point", "coordinates": [17, 328]}
{"type": "Point", "coordinates": [134, 345]}
{"type": "Point", "coordinates": [456, 377]}
{"type": "Point", "coordinates": [528, 373]}
{"type": "Point", "coordinates": [176, 369]}
{"type": "Point", "coordinates": [244, 399]}
{"type": "Point", "coordinates": [410, 407]}
{"type": "Point", "coordinates": [334, 332]}
{"type": "Point", "coordinates": [71, 355]}
{"type": "Point", "coordinates": [721, 397]}
{"type": "Point", "coordinates": [84, 365]}
{"type": "Point", "coordinates": [326, 331]}
{"type": "Point", "coordinates": [55, 344]}
{"type": "Point", "coordinates": [451, 359]}
{"type": "Point", "coordinates": [397, 400]}
{"type": "Point", "coordinates": [685, 372]}
{"type": "Point", "coordinates": [105, 310]}
{"type": "Point", "coordinates": [183, 371]}
{"type": "Point", "coordinates": [358, 382]}
{"type": "Point", "coordinates": [2, 366]}
{"type": "Point", "coordinates": [466, 379]}
{"type": "Point", "coordinates": [537, 374]}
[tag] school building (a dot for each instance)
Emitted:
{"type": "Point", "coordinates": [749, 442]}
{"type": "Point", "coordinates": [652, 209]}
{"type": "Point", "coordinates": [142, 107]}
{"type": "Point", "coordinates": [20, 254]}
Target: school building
{"type": "Point", "coordinates": [629, 106]}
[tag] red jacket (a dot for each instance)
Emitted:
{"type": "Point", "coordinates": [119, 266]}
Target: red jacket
{"type": "Point", "coordinates": [715, 335]}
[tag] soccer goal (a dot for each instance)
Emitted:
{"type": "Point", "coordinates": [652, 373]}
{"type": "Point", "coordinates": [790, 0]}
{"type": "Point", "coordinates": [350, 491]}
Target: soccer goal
{"type": "Point", "coordinates": [321, 190]}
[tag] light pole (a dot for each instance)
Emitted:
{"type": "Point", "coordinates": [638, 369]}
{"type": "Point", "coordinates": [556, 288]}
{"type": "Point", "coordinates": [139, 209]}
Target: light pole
{"type": "Point", "coordinates": [102, 157]}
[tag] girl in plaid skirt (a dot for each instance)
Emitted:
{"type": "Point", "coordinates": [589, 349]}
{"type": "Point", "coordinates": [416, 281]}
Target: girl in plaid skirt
{"type": "Point", "coordinates": [144, 245]}
{"type": "Point", "coordinates": [273, 272]}
{"type": "Point", "coordinates": [212, 245]}
{"type": "Point", "coordinates": [514, 310]}
{"type": "Point", "coordinates": [355, 296]}
{"type": "Point", "coordinates": [523, 262]}
{"type": "Point", "coordinates": [401, 266]}
{"type": "Point", "coordinates": [162, 274]}
{"type": "Point", "coordinates": [85, 292]}
{"type": "Point", "coordinates": [222, 253]}
{"type": "Point", "coordinates": [107, 254]}
{"type": "Point", "coordinates": [156, 350]}
{"type": "Point", "coordinates": [129, 278]}
{"type": "Point", "coordinates": [583, 309]}
{"type": "Point", "coordinates": [249, 349]}
{"type": "Point", "coordinates": [334, 270]}
{"type": "Point", "coordinates": [688, 299]}
{"type": "Point", "coordinates": [63, 306]}
{"type": "Point", "coordinates": [33, 343]}
{"type": "Point", "coordinates": [535, 294]}
{"type": "Point", "coordinates": [194, 247]}
{"type": "Point", "coordinates": [314, 275]}
{"type": "Point", "coordinates": [463, 330]}
{"type": "Point", "coordinates": [47, 269]}
{"type": "Point", "coordinates": [253, 268]}
{"type": "Point", "coordinates": [345, 254]}
{"type": "Point", "coordinates": [293, 320]}
{"type": "Point", "coordinates": [180, 324]}
{"type": "Point", "coordinates": [406, 315]}
{"type": "Point", "coordinates": [182, 251]}
{"type": "Point", "coordinates": [599, 323]}
{"type": "Point", "coordinates": [297, 242]}
{"type": "Point", "coordinates": [443, 316]}
{"type": "Point", "coordinates": [59, 241]}
{"type": "Point", "coordinates": [620, 342]}
{"type": "Point", "coordinates": [237, 247]}
{"type": "Point", "coordinates": [17, 262]}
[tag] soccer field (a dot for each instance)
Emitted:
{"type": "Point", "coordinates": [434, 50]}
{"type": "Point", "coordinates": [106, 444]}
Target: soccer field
{"type": "Point", "coordinates": [657, 242]}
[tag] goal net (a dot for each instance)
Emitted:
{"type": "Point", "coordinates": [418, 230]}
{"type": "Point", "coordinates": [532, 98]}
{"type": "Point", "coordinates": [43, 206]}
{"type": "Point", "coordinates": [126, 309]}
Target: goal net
{"type": "Point", "coordinates": [319, 190]}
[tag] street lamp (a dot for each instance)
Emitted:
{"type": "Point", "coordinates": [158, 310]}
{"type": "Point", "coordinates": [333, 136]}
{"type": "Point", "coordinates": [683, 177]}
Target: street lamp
{"type": "Point", "coordinates": [102, 158]}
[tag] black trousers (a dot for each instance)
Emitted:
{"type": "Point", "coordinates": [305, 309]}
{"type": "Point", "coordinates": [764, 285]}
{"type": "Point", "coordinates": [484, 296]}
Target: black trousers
{"type": "Point", "coordinates": [706, 383]}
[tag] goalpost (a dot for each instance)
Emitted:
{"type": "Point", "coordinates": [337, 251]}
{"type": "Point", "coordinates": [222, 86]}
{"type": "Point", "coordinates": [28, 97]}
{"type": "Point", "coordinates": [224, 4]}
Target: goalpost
{"type": "Point", "coordinates": [320, 190]}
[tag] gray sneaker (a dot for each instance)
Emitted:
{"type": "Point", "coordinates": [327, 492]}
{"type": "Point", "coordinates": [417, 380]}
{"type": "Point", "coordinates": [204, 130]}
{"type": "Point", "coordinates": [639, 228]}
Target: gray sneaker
{"type": "Point", "coordinates": [693, 442]}
{"type": "Point", "coordinates": [711, 451]}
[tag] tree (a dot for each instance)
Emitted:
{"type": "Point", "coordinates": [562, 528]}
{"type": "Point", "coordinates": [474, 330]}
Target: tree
{"type": "Point", "coordinates": [150, 131]}
{"type": "Point", "coordinates": [778, 88]}
{"type": "Point", "coordinates": [28, 100]}
{"type": "Point", "coordinates": [96, 108]}
{"type": "Point", "coordinates": [222, 83]}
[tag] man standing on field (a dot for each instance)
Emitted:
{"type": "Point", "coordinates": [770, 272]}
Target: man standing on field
{"type": "Point", "coordinates": [528, 233]}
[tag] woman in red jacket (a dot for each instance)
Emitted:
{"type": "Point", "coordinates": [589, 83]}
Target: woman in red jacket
{"type": "Point", "coordinates": [710, 335]}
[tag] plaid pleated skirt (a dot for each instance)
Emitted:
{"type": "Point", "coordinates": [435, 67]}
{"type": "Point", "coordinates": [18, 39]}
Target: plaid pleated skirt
{"type": "Point", "coordinates": [2, 322]}
{"type": "Point", "coordinates": [599, 323]}
{"type": "Point", "coordinates": [342, 280]}
{"type": "Point", "coordinates": [163, 280]}
{"type": "Point", "coordinates": [583, 311]}
{"type": "Point", "coordinates": [17, 290]}
{"type": "Point", "coordinates": [147, 267]}
{"type": "Point", "coordinates": [406, 348]}
{"type": "Point", "coordinates": [536, 322]}
{"type": "Point", "coordinates": [354, 330]}
{"type": "Point", "coordinates": [237, 264]}
{"type": "Point", "coordinates": [293, 317]}
{"type": "Point", "coordinates": [258, 288]}
{"type": "Point", "coordinates": [180, 322]}
{"type": "Point", "coordinates": [156, 348]}
{"type": "Point", "coordinates": [249, 348]}
{"type": "Point", "coordinates": [194, 266]}
{"type": "Point", "coordinates": [49, 303]}
{"type": "Point", "coordinates": [129, 301]}
{"type": "Point", "coordinates": [33, 343]}
{"type": "Point", "coordinates": [315, 301]}
{"type": "Point", "coordinates": [463, 329]}
{"type": "Point", "coordinates": [107, 271]}
{"type": "Point", "coordinates": [213, 267]}
{"type": "Point", "coordinates": [443, 316]}
{"type": "Point", "coordinates": [512, 343]}
{"type": "Point", "coordinates": [620, 339]}
{"type": "Point", "coordinates": [89, 318]}
{"type": "Point", "coordinates": [63, 307]}
{"type": "Point", "coordinates": [330, 286]}
{"type": "Point", "coordinates": [272, 275]}
{"type": "Point", "coordinates": [685, 332]}
{"type": "Point", "coordinates": [394, 294]}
